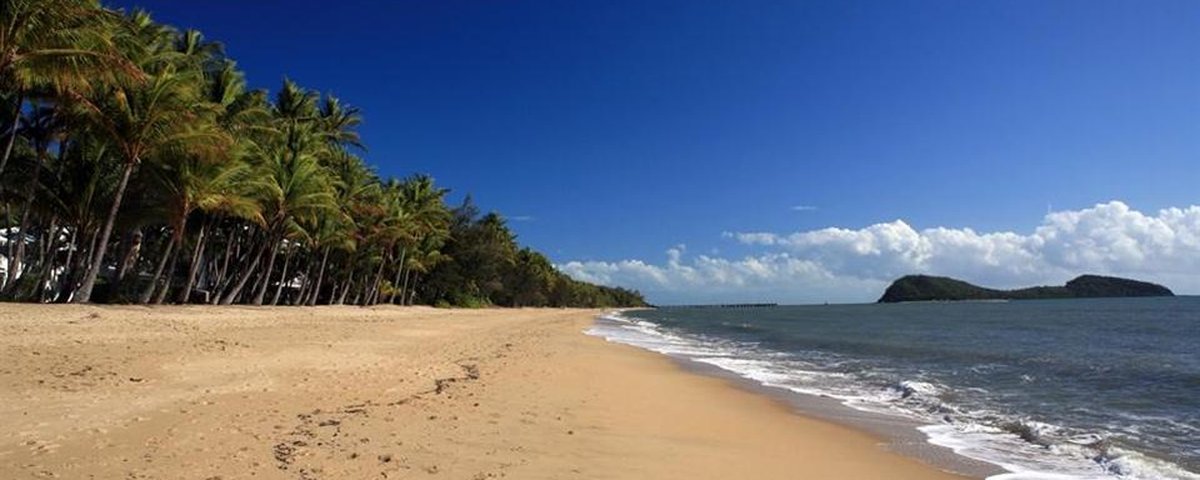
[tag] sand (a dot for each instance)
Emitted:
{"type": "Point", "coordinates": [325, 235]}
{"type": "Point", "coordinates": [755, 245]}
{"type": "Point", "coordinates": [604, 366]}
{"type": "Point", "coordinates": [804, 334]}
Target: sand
{"type": "Point", "coordinates": [348, 393]}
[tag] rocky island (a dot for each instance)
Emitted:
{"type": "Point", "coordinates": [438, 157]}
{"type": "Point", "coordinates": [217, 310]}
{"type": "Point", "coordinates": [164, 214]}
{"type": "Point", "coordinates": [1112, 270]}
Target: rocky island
{"type": "Point", "coordinates": [917, 288]}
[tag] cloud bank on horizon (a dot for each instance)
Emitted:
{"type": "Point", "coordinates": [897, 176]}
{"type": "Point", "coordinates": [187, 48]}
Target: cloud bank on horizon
{"type": "Point", "coordinates": [855, 265]}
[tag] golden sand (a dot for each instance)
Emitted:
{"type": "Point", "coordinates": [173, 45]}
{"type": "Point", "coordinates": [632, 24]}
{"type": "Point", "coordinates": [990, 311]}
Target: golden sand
{"type": "Point", "coordinates": [348, 393]}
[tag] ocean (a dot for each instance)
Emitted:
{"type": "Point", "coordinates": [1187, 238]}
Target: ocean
{"type": "Point", "coordinates": [1043, 389]}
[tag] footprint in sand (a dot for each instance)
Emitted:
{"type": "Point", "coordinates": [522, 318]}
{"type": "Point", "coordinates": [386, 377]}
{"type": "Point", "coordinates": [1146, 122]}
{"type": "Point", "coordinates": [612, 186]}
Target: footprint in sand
{"type": "Point", "coordinates": [40, 447]}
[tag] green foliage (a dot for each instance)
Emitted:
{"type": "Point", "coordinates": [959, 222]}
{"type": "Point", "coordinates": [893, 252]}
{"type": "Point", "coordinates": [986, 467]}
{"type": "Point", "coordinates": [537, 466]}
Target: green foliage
{"type": "Point", "coordinates": [486, 266]}
{"type": "Point", "coordinates": [915, 288]}
{"type": "Point", "coordinates": [143, 168]}
{"type": "Point", "coordinates": [1098, 286]}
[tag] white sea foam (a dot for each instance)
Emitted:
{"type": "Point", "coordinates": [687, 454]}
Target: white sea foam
{"type": "Point", "coordinates": [1021, 446]}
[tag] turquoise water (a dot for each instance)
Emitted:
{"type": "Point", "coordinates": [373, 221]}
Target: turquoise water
{"type": "Point", "coordinates": [1096, 388]}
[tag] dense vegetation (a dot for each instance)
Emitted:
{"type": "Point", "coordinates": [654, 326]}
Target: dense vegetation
{"type": "Point", "coordinates": [137, 166]}
{"type": "Point", "coordinates": [915, 288]}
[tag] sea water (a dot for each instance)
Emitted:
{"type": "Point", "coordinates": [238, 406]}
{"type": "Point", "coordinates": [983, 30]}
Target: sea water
{"type": "Point", "coordinates": [1044, 389]}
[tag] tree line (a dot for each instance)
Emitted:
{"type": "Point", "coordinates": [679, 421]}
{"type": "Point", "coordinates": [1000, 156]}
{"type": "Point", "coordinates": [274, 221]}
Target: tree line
{"type": "Point", "coordinates": [138, 166]}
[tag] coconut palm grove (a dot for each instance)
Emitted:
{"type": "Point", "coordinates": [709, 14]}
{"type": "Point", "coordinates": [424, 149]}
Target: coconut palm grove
{"type": "Point", "coordinates": [138, 167]}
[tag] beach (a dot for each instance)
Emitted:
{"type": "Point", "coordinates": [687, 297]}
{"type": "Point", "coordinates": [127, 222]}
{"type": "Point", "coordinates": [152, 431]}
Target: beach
{"type": "Point", "coordinates": [387, 392]}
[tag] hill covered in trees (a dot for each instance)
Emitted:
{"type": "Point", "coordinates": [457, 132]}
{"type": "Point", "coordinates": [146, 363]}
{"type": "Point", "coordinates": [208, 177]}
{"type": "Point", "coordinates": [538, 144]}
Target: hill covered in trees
{"type": "Point", "coordinates": [914, 288]}
{"type": "Point", "coordinates": [138, 166]}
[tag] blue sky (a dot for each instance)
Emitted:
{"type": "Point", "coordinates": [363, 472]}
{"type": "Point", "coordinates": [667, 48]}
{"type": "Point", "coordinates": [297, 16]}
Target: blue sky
{"type": "Point", "coordinates": [620, 129]}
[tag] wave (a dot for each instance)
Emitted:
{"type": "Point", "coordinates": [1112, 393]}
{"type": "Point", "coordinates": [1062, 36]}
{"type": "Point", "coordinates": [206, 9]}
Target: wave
{"type": "Point", "coordinates": [1025, 448]}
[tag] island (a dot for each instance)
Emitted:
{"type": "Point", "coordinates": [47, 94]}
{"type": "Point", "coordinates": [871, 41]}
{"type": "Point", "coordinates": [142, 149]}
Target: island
{"type": "Point", "coordinates": [918, 288]}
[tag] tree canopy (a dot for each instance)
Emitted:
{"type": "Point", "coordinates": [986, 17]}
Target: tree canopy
{"type": "Point", "coordinates": [137, 166]}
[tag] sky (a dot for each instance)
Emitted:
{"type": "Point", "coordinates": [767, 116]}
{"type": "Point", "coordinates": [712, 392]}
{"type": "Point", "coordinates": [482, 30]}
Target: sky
{"type": "Point", "coordinates": [793, 152]}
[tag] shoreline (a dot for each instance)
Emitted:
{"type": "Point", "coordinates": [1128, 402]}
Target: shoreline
{"type": "Point", "coordinates": [898, 434]}
{"type": "Point", "coordinates": [349, 392]}
{"type": "Point", "coordinates": [983, 423]}
{"type": "Point", "coordinates": [895, 434]}
{"type": "Point", "coordinates": [889, 434]}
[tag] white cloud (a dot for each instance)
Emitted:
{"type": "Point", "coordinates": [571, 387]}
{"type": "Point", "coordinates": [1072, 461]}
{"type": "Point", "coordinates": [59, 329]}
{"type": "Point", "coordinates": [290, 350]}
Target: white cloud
{"type": "Point", "coordinates": [803, 208]}
{"type": "Point", "coordinates": [753, 238]}
{"type": "Point", "coordinates": [766, 277]}
{"type": "Point", "coordinates": [854, 264]}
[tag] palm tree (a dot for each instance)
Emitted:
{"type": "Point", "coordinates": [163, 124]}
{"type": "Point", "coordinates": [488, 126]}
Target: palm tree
{"type": "Point", "coordinates": [215, 186]}
{"type": "Point", "coordinates": [62, 44]}
{"type": "Point", "coordinates": [424, 257]}
{"type": "Point", "coordinates": [300, 187]}
{"type": "Point", "coordinates": [327, 234]}
{"type": "Point", "coordinates": [204, 55]}
{"type": "Point", "coordinates": [229, 191]}
{"type": "Point", "coordinates": [339, 121]}
{"type": "Point", "coordinates": [297, 190]}
{"type": "Point", "coordinates": [116, 122]}
{"type": "Point", "coordinates": [429, 223]}
{"type": "Point", "coordinates": [191, 184]}
{"type": "Point", "coordinates": [391, 227]}
{"type": "Point", "coordinates": [427, 203]}
{"type": "Point", "coordinates": [355, 188]}
{"type": "Point", "coordinates": [294, 188]}
{"type": "Point", "coordinates": [42, 127]}
{"type": "Point", "coordinates": [162, 115]}
{"type": "Point", "coordinates": [84, 175]}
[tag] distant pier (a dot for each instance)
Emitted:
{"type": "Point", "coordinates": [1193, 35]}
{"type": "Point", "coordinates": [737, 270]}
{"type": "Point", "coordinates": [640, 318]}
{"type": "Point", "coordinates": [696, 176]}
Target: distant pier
{"type": "Point", "coordinates": [721, 305]}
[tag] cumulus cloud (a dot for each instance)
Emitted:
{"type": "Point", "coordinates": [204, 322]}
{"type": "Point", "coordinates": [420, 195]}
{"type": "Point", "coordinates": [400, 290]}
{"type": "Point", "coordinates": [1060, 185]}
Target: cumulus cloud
{"type": "Point", "coordinates": [704, 278]}
{"type": "Point", "coordinates": [844, 264]}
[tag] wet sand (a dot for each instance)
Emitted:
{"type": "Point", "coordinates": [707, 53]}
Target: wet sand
{"type": "Point", "coordinates": [345, 392]}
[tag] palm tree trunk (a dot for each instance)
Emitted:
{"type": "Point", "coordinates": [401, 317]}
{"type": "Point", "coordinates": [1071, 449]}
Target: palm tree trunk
{"type": "Point", "coordinates": [7, 220]}
{"type": "Point", "coordinates": [395, 285]}
{"type": "Point", "coordinates": [91, 251]}
{"type": "Point", "coordinates": [320, 276]}
{"type": "Point", "coordinates": [357, 293]}
{"type": "Point", "coordinates": [14, 265]}
{"type": "Point", "coordinates": [204, 278]}
{"type": "Point", "coordinates": [162, 293]}
{"type": "Point", "coordinates": [18, 255]}
{"type": "Point", "coordinates": [132, 250]}
{"type": "Point", "coordinates": [148, 293]}
{"type": "Point", "coordinates": [68, 265]}
{"type": "Point", "coordinates": [413, 293]}
{"type": "Point", "coordinates": [404, 289]}
{"type": "Point", "coordinates": [47, 264]}
{"type": "Point", "coordinates": [349, 283]}
{"type": "Point", "coordinates": [48, 240]}
{"type": "Point", "coordinates": [396, 281]}
{"type": "Point", "coordinates": [83, 259]}
{"type": "Point", "coordinates": [360, 289]}
{"type": "Point", "coordinates": [283, 278]}
{"type": "Point", "coordinates": [261, 292]}
{"type": "Point", "coordinates": [231, 248]}
{"type": "Point", "coordinates": [400, 278]}
{"type": "Point", "coordinates": [306, 283]}
{"type": "Point", "coordinates": [218, 283]}
{"type": "Point", "coordinates": [12, 132]}
{"type": "Point", "coordinates": [233, 293]}
{"type": "Point", "coordinates": [193, 266]}
{"type": "Point", "coordinates": [373, 293]}
{"type": "Point", "coordinates": [62, 155]}
{"type": "Point", "coordinates": [84, 293]}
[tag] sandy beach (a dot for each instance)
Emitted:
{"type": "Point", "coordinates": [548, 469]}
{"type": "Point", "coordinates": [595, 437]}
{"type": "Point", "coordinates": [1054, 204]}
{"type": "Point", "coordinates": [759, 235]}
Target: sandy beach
{"type": "Point", "coordinates": [347, 392]}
